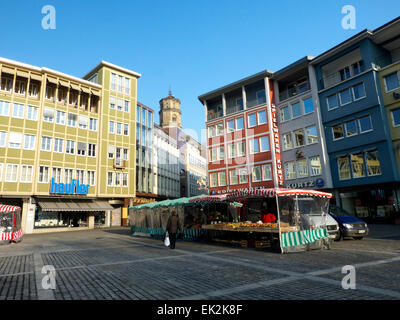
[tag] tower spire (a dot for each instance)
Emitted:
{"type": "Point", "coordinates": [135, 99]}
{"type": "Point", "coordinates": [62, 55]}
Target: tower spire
{"type": "Point", "coordinates": [170, 92]}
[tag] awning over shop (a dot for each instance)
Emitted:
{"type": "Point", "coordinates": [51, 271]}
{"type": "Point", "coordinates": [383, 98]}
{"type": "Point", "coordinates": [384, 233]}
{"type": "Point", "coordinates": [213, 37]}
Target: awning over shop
{"type": "Point", "coordinates": [68, 205]}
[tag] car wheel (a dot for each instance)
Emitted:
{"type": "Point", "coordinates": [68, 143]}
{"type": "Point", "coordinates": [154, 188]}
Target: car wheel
{"type": "Point", "coordinates": [357, 238]}
{"type": "Point", "coordinates": [339, 236]}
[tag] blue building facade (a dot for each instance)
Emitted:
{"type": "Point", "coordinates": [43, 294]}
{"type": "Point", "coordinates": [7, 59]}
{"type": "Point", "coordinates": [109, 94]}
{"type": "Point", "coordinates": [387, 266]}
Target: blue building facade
{"type": "Point", "coordinates": [364, 172]}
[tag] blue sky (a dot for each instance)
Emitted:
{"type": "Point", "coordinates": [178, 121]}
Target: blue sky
{"type": "Point", "coordinates": [194, 46]}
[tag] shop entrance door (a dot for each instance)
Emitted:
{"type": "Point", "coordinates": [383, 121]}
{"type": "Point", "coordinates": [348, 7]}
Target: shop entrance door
{"type": "Point", "coordinates": [116, 217]}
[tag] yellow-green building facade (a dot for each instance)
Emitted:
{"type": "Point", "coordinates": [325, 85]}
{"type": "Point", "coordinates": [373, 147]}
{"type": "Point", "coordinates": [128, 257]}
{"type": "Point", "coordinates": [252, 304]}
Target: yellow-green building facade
{"type": "Point", "coordinates": [67, 145]}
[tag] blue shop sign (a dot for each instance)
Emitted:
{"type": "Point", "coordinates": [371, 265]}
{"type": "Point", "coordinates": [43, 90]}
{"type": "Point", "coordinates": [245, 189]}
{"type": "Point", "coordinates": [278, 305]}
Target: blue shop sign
{"type": "Point", "coordinates": [69, 188]}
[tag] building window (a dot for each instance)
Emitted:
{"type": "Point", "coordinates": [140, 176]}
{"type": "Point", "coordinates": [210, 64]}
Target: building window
{"type": "Point", "coordinates": [345, 73]}
{"type": "Point", "coordinates": [391, 81]}
{"type": "Point", "coordinates": [57, 175]}
{"type": "Point", "coordinates": [344, 168]}
{"type": "Point", "coordinates": [3, 136]}
{"type": "Point", "coordinates": [395, 117]}
{"type": "Point", "coordinates": [81, 148]}
{"type": "Point", "coordinates": [43, 174]}
{"type": "Point", "coordinates": [91, 177]}
{"type": "Point", "coordinates": [119, 104]}
{"type": "Point", "coordinates": [119, 128]}
{"type": "Point", "coordinates": [46, 144]}
{"type": "Point", "coordinates": [110, 179]}
{"type": "Point", "coordinates": [312, 136]}
{"type": "Point", "coordinates": [243, 175]}
{"type": "Point", "coordinates": [80, 176]}
{"type": "Point", "coordinates": [231, 150]}
{"type": "Point", "coordinates": [261, 98]}
{"type": "Point", "coordinates": [332, 102]}
{"type": "Point", "coordinates": [357, 165]}
{"type": "Point", "coordinates": [365, 124]}
{"type": "Point", "coordinates": [127, 86]}
{"type": "Point", "coordinates": [60, 117]}
{"type": "Point", "coordinates": [111, 126]}
{"type": "Point", "coordinates": [91, 150]}
{"type": "Point", "coordinates": [4, 108]}
{"type": "Point", "coordinates": [33, 89]}
{"type": "Point", "coordinates": [262, 117]}
{"type": "Point", "coordinates": [299, 138]}
{"type": "Point", "coordinates": [266, 172]}
{"type": "Point", "coordinates": [256, 174]}
{"type": "Point", "coordinates": [345, 97]}
{"type": "Point", "coordinates": [68, 175]}
{"type": "Point", "coordinates": [296, 110]}
{"type": "Point", "coordinates": [58, 145]}
{"type": "Point", "coordinates": [48, 115]}
{"type": "Point", "coordinates": [112, 102]}
{"type": "Point", "coordinates": [213, 179]}
{"type": "Point", "coordinates": [373, 163]}
{"type": "Point", "coordinates": [113, 81]}
{"type": "Point", "coordinates": [111, 150]}
{"type": "Point", "coordinates": [308, 106]}
{"type": "Point", "coordinates": [18, 111]}
{"type": "Point", "coordinates": [359, 91]}
{"type": "Point", "coordinates": [239, 123]}
{"type": "Point", "coordinates": [120, 83]}
{"type": "Point", "coordinates": [93, 124]}
{"type": "Point", "coordinates": [126, 130]}
{"type": "Point", "coordinates": [233, 177]}
{"type": "Point", "coordinates": [264, 144]}
{"type": "Point", "coordinates": [351, 128]}
{"type": "Point", "coordinates": [126, 106]}
{"type": "Point", "coordinates": [241, 149]}
{"type": "Point", "coordinates": [125, 154]}
{"type": "Point", "coordinates": [338, 132]}
{"type": "Point", "coordinates": [6, 84]}
{"type": "Point", "coordinates": [29, 142]}
{"type": "Point", "coordinates": [32, 113]}
{"type": "Point", "coordinates": [231, 125]}
{"type": "Point", "coordinates": [124, 179]}
{"type": "Point", "coordinates": [11, 172]}
{"type": "Point", "coordinates": [285, 114]}
{"type": "Point", "coordinates": [72, 118]}
{"type": "Point", "coordinates": [316, 167]}
{"type": "Point", "coordinates": [15, 140]}
{"type": "Point", "coordinates": [290, 170]}
{"type": "Point", "coordinates": [70, 147]}
{"type": "Point", "coordinates": [221, 179]}
{"type": "Point", "coordinates": [254, 146]}
{"type": "Point", "coordinates": [287, 141]}
{"type": "Point", "coordinates": [20, 87]}
{"type": "Point", "coordinates": [26, 174]}
{"type": "Point", "coordinates": [358, 67]}
{"type": "Point", "coordinates": [302, 168]}
{"type": "Point", "coordinates": [252, 118]}
{"type": "Point", "coordinates": [211, 131]}
{"type": "Point", "coordinates": [219, 129]}
{"type": "Point", "coordinates": [83, 122]}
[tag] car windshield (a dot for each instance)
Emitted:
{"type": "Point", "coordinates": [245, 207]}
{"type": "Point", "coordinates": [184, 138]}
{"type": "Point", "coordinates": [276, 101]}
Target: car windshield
{"type": "Point", "coordinates": [337, 211]}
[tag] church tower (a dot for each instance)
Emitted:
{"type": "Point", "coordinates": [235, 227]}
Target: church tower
{"type": "Point", "coordinates": [170, 112]}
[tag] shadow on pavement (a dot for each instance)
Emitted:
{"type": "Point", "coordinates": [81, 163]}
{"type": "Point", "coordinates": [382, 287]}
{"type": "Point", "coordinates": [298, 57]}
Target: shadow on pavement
{"type": "Point", "coordinates": [126, 231]}
{"type": "Point", "coordinates": [384, 231]}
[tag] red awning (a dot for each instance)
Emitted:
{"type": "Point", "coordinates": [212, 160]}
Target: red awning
{"type": "Point", "coordinates": [8, 208]}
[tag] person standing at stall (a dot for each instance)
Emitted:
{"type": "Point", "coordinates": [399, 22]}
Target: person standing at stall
{"type": "Point", "coordinates": [173, 226]}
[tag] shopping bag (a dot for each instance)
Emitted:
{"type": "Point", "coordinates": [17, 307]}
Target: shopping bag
{"type": "Point", "coordinates": [166, 241]}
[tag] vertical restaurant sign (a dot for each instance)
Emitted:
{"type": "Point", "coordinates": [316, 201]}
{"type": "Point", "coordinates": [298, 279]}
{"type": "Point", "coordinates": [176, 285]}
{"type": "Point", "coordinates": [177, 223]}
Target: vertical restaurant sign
{"type": "Point", "coordinates": [277, 146]}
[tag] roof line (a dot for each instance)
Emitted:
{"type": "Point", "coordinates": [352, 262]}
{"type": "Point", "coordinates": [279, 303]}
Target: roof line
{"type": "Point", "coordinates": [114, 66]}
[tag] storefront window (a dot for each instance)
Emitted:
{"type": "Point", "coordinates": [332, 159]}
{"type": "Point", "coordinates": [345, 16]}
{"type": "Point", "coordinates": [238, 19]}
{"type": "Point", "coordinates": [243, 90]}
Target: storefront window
{"type": "Point", "coordinates": [54, 219]}
{"type": "Point", "coordinates": [357, 165]}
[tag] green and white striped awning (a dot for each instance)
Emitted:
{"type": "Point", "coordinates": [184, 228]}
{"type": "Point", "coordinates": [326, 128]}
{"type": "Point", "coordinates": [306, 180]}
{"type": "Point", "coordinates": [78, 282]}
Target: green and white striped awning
{"type": "Point", "coordinates": [298, 238]}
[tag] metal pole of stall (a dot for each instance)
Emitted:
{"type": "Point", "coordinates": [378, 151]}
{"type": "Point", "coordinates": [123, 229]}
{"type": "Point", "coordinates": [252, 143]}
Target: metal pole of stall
{"type": "Point", "coordinates": [279, 222]}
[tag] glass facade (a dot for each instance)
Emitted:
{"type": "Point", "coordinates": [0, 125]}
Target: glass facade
{"type": "Point", "coordinates": [144, 128]}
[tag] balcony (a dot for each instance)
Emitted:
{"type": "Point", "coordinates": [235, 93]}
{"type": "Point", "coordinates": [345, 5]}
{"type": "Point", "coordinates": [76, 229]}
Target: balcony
{"type": "Point", "coordinates": [211, 115]}
{"type": "Point", "coordinates": [233, 109]}
{"type": "Point", "coordinates": [119, 163]}
{"type": "Point", "coordinates": [294, 90]}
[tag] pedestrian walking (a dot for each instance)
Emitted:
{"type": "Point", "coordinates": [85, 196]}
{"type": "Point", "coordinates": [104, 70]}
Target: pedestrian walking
{"type": "Point", "coordinates": [173, 226]}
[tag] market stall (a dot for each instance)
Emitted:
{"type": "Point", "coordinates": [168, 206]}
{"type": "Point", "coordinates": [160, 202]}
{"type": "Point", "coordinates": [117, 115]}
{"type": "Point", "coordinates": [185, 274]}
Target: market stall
{"type": "Point", "coordinates": [10, 224]}
{"type": "Point", "coordinates": [294, 219]}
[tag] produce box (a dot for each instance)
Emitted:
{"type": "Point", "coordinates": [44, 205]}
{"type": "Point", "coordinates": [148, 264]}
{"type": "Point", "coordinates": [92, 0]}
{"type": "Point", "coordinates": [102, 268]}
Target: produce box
{"type": "Point", "coordinates": [247, 243]}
